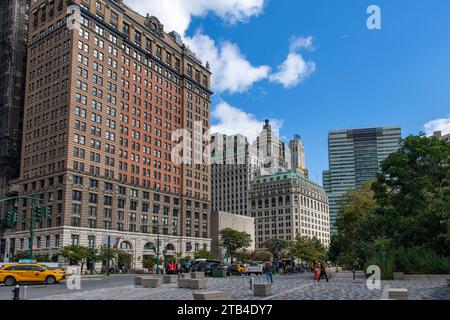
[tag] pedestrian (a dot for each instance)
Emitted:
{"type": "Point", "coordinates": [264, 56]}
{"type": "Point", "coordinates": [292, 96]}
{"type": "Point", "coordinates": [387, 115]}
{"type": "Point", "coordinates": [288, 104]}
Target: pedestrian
{"type": "Point", "coordinates": [323, 271]}
{"type": "Point", "coordinates": [268, 271]}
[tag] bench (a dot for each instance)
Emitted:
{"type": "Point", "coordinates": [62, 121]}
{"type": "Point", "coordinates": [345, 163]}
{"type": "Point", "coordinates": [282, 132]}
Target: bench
{"type": "Point", "coordinates": [398, 276]}
{"type": "Point", "coordinates": [151, 282]}
{"type": "Point", "coordinates": [262, 289]}
{"type": "Point", "coordinates": [138, 280]}
{"type": "Point", "coordinates": [169, 278]}
{"type": "Point", "coordinates": [184, 283]}
{"type": "Point", "coordinates": [211, 295]}
{"type": "Point", "coordinates": [197, 275]}
{"type": "Point", "coordinates": [398, 293]}
{"type": "Point", "coordinates": [192, 283]}
{"type": "Point", "coordinates": [197, 284]}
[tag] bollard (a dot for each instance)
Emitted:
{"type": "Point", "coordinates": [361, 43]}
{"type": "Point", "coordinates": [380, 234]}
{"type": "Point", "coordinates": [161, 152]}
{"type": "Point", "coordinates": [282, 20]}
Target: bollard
{"type": "Point", "coordinates": [25, 289]}
{"type": "Point", "coordinates": [16, 292]}
{"type": "Point", "coordinates": [251, 283]}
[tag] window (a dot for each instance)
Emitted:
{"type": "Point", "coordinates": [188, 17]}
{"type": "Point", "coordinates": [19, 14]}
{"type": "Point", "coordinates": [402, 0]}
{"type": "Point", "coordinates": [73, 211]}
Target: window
{"type": "Point", "coordinates": [75, 240]}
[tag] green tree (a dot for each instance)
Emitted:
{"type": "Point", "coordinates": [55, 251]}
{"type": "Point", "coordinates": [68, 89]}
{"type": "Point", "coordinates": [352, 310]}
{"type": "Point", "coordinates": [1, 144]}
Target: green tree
{"type": "Point", "coordinates": [356, 204]}
{"type": "Point", "coordinates": [413, 195]}
{"type": "Point", "coordinates": [76, 255]}
{"type": "Point", "coordinates": [308, 249]}
{"type": "Point", "coordinates": [118, 257]}
{"type": "Point", "coordinates": [20, 255]}
{"type": "Point", "coordinates": [205, 254]}
{"type": "Point", "coordinates": [234, 240]}
{"type": "Point", "coordinates": [271, 245]}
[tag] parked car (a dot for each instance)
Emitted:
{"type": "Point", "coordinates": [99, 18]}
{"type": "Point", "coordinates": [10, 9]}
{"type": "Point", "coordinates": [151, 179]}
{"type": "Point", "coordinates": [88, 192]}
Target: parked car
{"type": "Point", "coordinates": [13, 273]}
{"type": "Point", "coordinates": [205, 265]}
{"type": "Point", "coordinates": [254, 268]}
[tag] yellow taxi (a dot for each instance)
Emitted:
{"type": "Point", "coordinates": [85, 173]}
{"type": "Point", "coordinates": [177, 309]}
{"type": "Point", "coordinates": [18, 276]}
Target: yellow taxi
{"type": "Point", "coordinates": [239, 268]}
{"type": "Point", "coordinates": [12, 273]}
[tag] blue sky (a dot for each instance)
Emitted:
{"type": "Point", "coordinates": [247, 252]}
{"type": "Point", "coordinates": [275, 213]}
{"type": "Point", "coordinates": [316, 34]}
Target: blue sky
{"type": "Point", "coordinates": [399, 75]}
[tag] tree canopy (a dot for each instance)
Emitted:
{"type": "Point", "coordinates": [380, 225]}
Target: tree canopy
{"type": "Point", "coordinates": [234, 240]}
{"type": "Point", "coordinates": [406, 207]}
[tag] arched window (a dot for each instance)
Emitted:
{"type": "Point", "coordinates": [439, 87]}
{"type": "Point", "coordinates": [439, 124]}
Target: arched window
{"type": "Point", "coordinates": [125, 245]}
{"type": "Point", "coordinates": [280, 201]}
{"type": "Point", "coordinates": [149, 246]}
{"type": "Point", "coordinates": [170, 247]}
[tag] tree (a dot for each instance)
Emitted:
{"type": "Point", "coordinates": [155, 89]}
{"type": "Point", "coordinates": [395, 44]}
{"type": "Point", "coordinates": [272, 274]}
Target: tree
{"type": "Point", "coordinates": [234, 240]}
{"type": "Point", "coordinates": [275, 245]}
{"type": "Point", "coordinates": [354, 206]}
{"type": "Point", "coordinates": [307, 249]}
{"type": "Point", "coordinates": [118, 257]}
{"type": "Point", "coordinates": [204, 254]}
{"type": "Point", "coordinates": [76, 255]}
{"type": "Point", "coordinates": [413, 194]}
{"type": "Point", "coordinates": [20, 255]}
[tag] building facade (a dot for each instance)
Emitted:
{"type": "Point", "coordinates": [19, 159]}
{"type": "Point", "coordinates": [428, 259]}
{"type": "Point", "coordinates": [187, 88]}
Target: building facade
{"type": "Point", "coordinates": [354, 157]}
{"type": "Point", "coordinates": [288, 204]}
{"type": "Point", "coordinates": [272, 153]}
{"type": "Point", "coordinates": [298, 155]}
{"type": "Point", "coordinates": [445, 137]}
{"type": "Point", "coordinates": [221, 220]}
{"type": "Point", "coordinates": [13, 49]}
{"type": "Point", "coordinates": [232, 170]}
{"type": "Point", "coordinates": [106, 89]}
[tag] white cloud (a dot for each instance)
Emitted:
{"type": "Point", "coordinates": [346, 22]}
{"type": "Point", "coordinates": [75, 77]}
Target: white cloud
{"type": "Point", "coordinates": [442, 125]}
{"type": "Point", "coordinates": [294, 69]}
{"type": "Point", "coordinates": [231, 70]}
{"type": "Point", "coordinates": [231, 120]}
{"type": "Point", "coordinates": [177, 14]}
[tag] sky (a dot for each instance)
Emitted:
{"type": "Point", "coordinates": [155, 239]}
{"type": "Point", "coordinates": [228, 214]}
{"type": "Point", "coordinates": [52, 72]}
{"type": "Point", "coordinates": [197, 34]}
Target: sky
{"type": "Point", "coordinates": [311, 66]}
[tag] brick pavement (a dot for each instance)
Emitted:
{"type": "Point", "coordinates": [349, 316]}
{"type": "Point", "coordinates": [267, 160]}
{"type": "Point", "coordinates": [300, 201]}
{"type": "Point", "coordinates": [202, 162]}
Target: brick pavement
{"type": "Point", "coordinates": [290, 287]}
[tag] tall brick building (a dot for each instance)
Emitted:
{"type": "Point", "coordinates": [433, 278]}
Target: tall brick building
{"type": "Point", "coordinates": [102, 101]}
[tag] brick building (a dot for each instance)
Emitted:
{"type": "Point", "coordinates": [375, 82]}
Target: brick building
{"type": "Point", "coordinates": [106, 88]}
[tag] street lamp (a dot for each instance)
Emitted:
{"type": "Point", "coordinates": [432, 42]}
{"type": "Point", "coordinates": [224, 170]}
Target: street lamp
{"type": "Point", "coordinates": [397, 254]}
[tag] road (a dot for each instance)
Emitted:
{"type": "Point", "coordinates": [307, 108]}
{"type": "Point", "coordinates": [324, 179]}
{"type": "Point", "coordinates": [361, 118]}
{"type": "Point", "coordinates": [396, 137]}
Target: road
{"type": "Point", "coordinates": [37, 290]}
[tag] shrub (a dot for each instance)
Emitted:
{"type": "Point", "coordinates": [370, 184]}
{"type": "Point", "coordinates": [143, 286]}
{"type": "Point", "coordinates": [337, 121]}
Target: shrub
{"type": "Point", "coordinates": [423, 261]}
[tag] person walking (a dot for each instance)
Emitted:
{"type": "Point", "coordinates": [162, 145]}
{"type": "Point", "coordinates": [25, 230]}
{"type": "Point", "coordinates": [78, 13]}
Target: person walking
{"type": "Point", "coordinates": [268, 271]}
{"type": "Point", "coordinates": [323, 272]}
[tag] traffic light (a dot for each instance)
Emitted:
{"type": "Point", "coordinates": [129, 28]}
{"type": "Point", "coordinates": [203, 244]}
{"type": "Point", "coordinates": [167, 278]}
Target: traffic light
{"type": "Point", "coordinates": [42, 213]}
{"type": "Point", "coordinates": [39, 213]}
{"type": "Point", "coordinates": [47, 212]}
{"type": "Point", "coordinates": [11, 217]}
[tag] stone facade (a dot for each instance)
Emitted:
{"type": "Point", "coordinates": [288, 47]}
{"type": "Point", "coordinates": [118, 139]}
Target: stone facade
{"type": "Point", "coordinates": [288, 204]}
{"type": "Point", "coordinates": [221, 220]}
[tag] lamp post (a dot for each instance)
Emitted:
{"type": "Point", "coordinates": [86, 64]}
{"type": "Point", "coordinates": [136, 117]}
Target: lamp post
{"type": "Point", "coordinates": [157, 250]}
{"type": "Point", "coordinates": [397, 254]}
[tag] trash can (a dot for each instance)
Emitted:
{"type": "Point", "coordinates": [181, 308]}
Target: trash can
{"type": "Point", "coordinates": [219, 273]}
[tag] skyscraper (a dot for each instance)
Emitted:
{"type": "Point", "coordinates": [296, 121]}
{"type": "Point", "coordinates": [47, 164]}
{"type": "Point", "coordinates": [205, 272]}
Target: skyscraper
{"type": "Point", "coordinates": [13, 48]}
{"type": "Point", "coordinates": [298, 155]}
{"type": "Point", "coordinates": [271, 151]}
{"type": "Point", "coordinates": [232, 169]}
{"type": "Point", "coordinates": [354, 157]}
{"type": "Point", "coordinates": [106, 90]}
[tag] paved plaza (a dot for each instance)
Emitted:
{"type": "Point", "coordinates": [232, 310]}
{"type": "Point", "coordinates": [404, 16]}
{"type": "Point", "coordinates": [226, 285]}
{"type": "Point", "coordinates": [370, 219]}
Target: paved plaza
{"type": "Point", "coordinates": [285, 287]}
